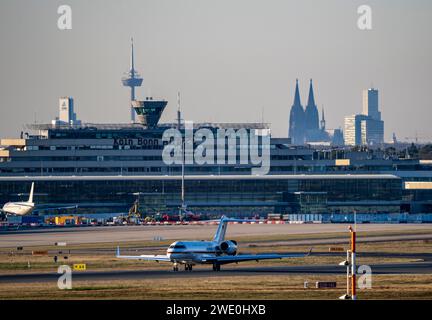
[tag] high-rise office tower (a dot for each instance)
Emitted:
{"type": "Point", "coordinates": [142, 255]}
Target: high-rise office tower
{"type": "Point", "coordinates": [67, 113]}
{"type": "Point", "coordinates": [370, 104]}
{"type": "Point", "coordinates": [372, 131]}
{"type": "Point", "coordinates": [352, 129]}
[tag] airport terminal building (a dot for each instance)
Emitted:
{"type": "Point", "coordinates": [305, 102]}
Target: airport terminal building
{"type": "Point", "coordinates": [105, 167]}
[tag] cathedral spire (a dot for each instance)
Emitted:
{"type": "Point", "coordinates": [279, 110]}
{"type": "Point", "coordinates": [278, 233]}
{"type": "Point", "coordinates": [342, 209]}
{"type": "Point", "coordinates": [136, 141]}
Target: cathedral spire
{"type": "Point", "coordinates": [323, 122]}
{"type": "Point", "coordinates": [311, 99]}
{"type": "Point", "coordinates": [297, 120]}
{"type": "Point", "coordinates": [297, 95]}
{"type": "Point", "coordinates": [311, 114]}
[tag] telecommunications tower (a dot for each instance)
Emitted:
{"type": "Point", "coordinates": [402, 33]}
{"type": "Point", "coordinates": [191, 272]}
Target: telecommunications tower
{"type": "Point", "coordinates": [132, 80]}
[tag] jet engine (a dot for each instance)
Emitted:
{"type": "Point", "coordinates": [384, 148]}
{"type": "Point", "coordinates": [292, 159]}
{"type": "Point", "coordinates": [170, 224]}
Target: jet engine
{"type": "Point", "coordinates": [229, 247]}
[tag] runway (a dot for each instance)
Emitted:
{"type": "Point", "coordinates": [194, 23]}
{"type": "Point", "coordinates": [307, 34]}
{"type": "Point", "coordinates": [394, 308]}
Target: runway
{"type": "Point", "coordinates": [119, 234]}
{"type": "Point", "coordinates": [202, 272]}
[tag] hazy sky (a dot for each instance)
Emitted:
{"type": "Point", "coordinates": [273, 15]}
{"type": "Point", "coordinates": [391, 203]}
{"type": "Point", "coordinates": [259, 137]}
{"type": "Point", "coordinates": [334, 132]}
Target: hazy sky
{"type": "Point", "coordinates": [232, 60]}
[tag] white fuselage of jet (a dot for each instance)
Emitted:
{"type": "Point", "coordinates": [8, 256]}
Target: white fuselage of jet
{"type": "Point", "coordinates": [18, 208]}
{"type": "Point", "coordinates": [193, 252]}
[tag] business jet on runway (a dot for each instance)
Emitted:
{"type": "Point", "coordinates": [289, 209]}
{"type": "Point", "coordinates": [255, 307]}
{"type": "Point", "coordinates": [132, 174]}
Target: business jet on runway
{"type": "Point", "coordinates": [216, 252]}
{"type": "Point", "coordinates": [20, 208]}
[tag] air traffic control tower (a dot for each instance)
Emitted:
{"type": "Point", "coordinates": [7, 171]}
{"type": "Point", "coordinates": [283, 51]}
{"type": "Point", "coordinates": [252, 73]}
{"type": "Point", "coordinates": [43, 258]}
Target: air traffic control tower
{"type": "Point", "coordinates": [132, 80]}
{"type": "Point", "coordinates": [149, 111]}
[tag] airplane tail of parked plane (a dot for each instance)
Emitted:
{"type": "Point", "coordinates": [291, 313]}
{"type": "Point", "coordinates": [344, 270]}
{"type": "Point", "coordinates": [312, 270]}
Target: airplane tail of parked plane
{"type": "Point", "coordinates": [20, 208]}
{"type": "Point", "coordinates": [30, 200]}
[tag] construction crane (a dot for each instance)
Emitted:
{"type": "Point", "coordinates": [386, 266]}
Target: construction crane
{"type": "Point", "coordinates": [416, 138]}
{"type": "Point", "coordinates": [134, 214]}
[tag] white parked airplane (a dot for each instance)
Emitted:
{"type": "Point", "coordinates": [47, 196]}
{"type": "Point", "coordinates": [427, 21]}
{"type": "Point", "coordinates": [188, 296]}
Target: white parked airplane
{"type": "Point", "coordinates": [27, 207]}
{"type": "Point", "coordinates": [20, 208]}
{"type": "Point", "coordinates": [216, 252]}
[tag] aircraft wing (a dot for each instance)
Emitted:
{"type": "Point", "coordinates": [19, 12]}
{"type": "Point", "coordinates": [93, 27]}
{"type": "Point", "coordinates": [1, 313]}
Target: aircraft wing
{"type": "Point", "coordinates": [255, 257]}
{"type": "Point", "coordinates": [55, 208]}
{"type": "Point", "coordinates": [155, 257]}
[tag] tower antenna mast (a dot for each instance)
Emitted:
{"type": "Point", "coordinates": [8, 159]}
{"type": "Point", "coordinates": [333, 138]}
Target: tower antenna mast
{"type": "Point", "coordinates": [132, 79]}
{"type": "Point", "coordinates": [178, 111]}
{"type": "Point", "coordinates": [183, 207]}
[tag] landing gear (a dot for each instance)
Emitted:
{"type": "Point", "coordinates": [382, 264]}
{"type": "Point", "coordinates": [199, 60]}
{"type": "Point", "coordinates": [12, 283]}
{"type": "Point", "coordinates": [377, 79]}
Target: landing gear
{"type": "Point", "coordinates": [175, 267]}
{"type": "Point", "coordinates": [188, 267]}
{"type": "Point", "coordinates": [216, 267]}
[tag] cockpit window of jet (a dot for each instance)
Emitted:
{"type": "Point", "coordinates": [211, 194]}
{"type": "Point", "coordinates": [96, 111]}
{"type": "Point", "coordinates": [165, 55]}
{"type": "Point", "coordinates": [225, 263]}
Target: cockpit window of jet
{"type": "Point", "coordinates": [216, 252]}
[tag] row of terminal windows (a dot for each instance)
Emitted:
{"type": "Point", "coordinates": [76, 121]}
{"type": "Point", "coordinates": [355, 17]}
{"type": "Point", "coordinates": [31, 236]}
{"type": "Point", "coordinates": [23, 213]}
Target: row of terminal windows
{"type": "Point", "coordinates": [214, 190]}
{"type": "Point", "coordinates": [79, 170]}
{"type": "Point", "coordinates": [95, 147]}
{"type": "Point", "coordinates": [316, 167]}
{"type": "Point", "coordinates": [291, 157]}
{"type": "Point", "coordinates": [90, 158]}
{"type": "Point", "coordinates": [101, 135]}
{"type": "Point", "coordinates": [168, 170]}
{"type": "Point", "coordinates": [119, 170]}
{"type": "Point", "coordinates": [197, 169]}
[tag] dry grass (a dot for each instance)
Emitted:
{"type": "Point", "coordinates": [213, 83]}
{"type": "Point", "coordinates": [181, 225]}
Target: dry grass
{"type": "Point", "coordinates": [221, 287]}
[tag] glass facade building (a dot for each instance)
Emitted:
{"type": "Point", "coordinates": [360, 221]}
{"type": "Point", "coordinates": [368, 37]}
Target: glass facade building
{"type": "Point", "coordinates": [236, 195]}
{"type": "Point", "coordinates": [103, 167]}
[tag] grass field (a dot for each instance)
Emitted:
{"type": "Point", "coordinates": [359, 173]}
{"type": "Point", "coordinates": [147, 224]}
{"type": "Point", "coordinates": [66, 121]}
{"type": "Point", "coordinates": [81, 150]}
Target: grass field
{"type": "Point", "coordinates": [250, 287]}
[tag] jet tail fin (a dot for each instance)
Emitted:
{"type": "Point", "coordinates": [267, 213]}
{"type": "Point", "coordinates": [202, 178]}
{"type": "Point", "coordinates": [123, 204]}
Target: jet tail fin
{"type": "Point", "coordinates": [221, 230]}
{"type": "Point", "coordinates": [31, 193]}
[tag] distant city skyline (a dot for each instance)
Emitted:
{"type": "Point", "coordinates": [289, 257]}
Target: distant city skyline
{"type": "Point", "coordinates": [231, 60]}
